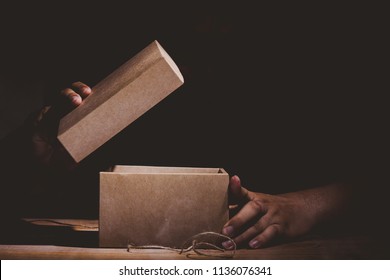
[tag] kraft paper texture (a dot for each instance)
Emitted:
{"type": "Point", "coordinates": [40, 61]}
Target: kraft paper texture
{"type": "Point", "coordinates": [118, 100]}
{"type": "Point", "coordinates": [160, 205]}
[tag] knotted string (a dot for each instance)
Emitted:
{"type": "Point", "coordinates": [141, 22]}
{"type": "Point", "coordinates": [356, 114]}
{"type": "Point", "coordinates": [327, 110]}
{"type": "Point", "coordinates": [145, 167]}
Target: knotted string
{"type": "Point", "coordinates": [195, 246]}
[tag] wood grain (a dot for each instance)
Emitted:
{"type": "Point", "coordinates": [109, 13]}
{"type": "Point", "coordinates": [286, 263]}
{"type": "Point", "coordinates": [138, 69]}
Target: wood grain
{"type": "Point", "coordinates": [310, 247]}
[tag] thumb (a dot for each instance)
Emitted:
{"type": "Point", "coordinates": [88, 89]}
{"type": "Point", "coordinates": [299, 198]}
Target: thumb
{"type": "Point", "coordinates": [237, 193]}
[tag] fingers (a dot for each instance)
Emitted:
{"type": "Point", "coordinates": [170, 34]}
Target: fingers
{"type": "Point", "coordinates": [267, 234]}
{"type": "Point", "coordinates": [77, 93]}
{"type": "Point", "coordinates": [71, 96]}
{"type": "Point", "coordinates": [254, 230]}
{"type": "Point", "coordinates": [82, 89]}
{"type": "Point", "coordinates": [259, 221]}
{"type": "Point", "coordinates": [250, 211]}
{"type": "Point", "coordinates": [265, 237]}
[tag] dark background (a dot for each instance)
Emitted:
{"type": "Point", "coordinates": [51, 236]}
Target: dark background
{"type": "Point", "coordinates": [287, 97]}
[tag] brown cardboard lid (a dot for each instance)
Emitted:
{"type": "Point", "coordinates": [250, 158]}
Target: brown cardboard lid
{"type": "Point", "coordinates": [118, 100]}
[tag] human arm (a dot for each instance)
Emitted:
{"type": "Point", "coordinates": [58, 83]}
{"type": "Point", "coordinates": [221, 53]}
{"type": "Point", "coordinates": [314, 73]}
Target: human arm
{"type": "Point", "coordinates": [264, 217]}
{"type": "Point", "coordinates": [34, 165]}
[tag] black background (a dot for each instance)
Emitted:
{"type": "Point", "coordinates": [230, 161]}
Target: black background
{"type": "Point", "coordinates": [287, 97]}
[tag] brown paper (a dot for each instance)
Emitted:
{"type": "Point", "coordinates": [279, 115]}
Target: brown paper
{"type": "Point", "coordinates": [163, 206]}
{"type": "Point", "coordinates": [118, 100]}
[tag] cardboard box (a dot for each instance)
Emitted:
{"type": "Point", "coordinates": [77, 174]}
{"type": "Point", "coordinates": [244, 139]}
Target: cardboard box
{"type": "Point", "coordinates": [163, 206]}
{"type": "Point", "coordinates": [118, 100]}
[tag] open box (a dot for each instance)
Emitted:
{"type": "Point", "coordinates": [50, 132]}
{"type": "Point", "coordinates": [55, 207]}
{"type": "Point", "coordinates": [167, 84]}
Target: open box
{"type": "Point", "coordinates": [164, 206]}
{"type": "Point", "coordinates": [143, 205]}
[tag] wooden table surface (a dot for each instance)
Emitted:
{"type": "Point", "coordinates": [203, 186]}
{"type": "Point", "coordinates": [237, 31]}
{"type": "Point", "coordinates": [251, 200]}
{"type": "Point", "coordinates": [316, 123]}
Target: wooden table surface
{"type": "Point", "coordinates": [78, 239]}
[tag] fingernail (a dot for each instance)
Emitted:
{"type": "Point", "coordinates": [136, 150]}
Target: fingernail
{"type": "Point", "coordinates": [254, 244]}
{"type": "Point", "coordinates": [86, 90]}
{"type": "Point", "coordinates": [75, 100]}
{"type": "Point", "coordinates": [227, 244]}
{"type": "Point", "coordinates": [228, 231]}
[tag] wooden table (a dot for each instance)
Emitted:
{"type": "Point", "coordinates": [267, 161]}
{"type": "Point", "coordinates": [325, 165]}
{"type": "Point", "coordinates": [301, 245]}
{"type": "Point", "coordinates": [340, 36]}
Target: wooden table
{"type": "Point", "coordinates": [78, 239]}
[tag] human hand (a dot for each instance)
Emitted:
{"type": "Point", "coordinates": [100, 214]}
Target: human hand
{"type": "Point", "coordinates": [45, 146]}
{"type": "Point", "coordinates": [264, 217]}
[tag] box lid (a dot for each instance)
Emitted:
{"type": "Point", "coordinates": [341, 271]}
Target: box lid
{"type": "Point", "coordinates": [118, 100]}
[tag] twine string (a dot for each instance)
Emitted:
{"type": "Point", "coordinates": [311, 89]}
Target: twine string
{"type": "Point", "coordinates": [196, 242]}
{"type": "Point", "coordinates": [196, 246]}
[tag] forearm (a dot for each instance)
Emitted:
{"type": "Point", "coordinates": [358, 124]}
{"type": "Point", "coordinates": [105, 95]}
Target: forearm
{"type": "Point", "coordinates": [325, 204]}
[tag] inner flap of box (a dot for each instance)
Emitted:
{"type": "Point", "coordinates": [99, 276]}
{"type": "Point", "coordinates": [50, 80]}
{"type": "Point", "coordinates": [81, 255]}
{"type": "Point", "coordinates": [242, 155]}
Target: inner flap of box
{"type": "Point", "coordinates": [161, 170]}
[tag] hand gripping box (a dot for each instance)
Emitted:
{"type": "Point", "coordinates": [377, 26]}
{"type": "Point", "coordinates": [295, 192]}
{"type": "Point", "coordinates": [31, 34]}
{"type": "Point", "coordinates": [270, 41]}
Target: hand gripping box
{"type": "Point", "coordinates": [141, 205]}
{"type": "Point", "coordinates": [118, 100]}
